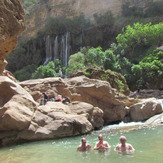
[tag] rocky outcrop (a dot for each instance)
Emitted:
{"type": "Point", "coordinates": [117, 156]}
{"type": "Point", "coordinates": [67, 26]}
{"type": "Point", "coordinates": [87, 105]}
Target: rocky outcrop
{"type": "Point", "coordinates": [57, 120]}
{"type": "Point", "coordinates": [93, 103]}
{"type": "Point", "coordinates": [144, 110]}
{"type": "Point", "coordinates": [22, 119]}
{"type": "Point", "coordinates": [11, 24]}
{"type": "Point", "coordinates": [95, 92]}
{"type": "Point", "coordinates": [147, 93]}
{"type": "Point", "coordinates": [111, 76]}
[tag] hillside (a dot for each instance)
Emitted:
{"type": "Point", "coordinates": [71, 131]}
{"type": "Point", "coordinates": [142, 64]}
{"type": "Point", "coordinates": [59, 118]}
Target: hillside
{"type": "Point", "coordinates": [55, 30]}
{"type": "Point", "coordinates": [43, 10]}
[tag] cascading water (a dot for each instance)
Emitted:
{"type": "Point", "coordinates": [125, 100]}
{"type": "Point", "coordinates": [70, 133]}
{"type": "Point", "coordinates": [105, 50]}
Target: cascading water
{"type": "Point", "coordinates": [48, 47]}
{"type": "Point", "coordinates": [62, 51]}
{"type": "Point", "coordinates": [55, 48]}
{"type": "Point", "coordinates": [58, 49]}
{"type": "Point", "coordinates": [65, 48]}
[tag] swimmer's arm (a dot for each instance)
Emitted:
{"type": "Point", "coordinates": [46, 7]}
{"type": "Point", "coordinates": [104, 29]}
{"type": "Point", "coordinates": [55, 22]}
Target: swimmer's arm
{"type": "Point", "coordinates": [131, 148]}
{"type": "Point", "coordinates": [117, 148]}
{"type": "Point", "coordinates": [78, 149]}
{"type": "Point", "coordinates": [96, 146]}
{"type": "Point", "coordinates": [107, 146]}
{"type": "Point", "coordinates": [89, 147]}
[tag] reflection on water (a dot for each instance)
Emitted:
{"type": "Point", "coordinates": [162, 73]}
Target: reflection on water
{"type": "Point", "coordinates": [147, 142]}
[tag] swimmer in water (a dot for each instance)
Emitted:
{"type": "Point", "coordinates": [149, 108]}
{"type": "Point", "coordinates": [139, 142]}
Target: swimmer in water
{"type": "Point", "coordinates": [84, 146]}
{"type": "Point", "coordinates": [123, 147]}
{"type": "Point", "coordinates": [101, 144]}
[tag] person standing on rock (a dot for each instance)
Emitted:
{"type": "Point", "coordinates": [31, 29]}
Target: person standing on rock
{"type": "Point", "coordinates": [60, 72]}
{"type": "Point", "coordinates": [84, 146]}
{"type": "Point", "coordinates": [123, 147]}
{"type": "Point", "coordinates": [101, 144]}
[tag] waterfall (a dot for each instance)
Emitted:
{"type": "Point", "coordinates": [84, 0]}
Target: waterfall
{"type": "Point", "coordinates": [48, 49]}
{"type": "Point", "coordinates": [65, 48]}
{"type": "Point", "coordinates": [62, 50]}
{"type": "Point", "coordinates": [55, 48]}
{"type": "Point", "coordinates": [59, 48]}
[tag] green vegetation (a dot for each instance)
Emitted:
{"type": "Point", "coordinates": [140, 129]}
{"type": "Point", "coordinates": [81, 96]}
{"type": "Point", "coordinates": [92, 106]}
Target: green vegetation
{"type": "Point", "coordinates": [135, 56]}
{"type": "Point", "coordinates": [27, 4]}
{"type": "Point", "coordinates": [120, 85]}
{"type": "Point", "coordinates": [134, 53]}
{"type": "Point", "coordinates": [140, 38]}
{"type": "Point", "coordinates": [76, 63]}
{"type": "Point", "coordinates": [62, 24]}
{"type": "Point", "coordinates": [105, 19]}
{"type": "Point", "coordinates": [49, 70]}
{"type": "Point", "coordinates": [25, 73]}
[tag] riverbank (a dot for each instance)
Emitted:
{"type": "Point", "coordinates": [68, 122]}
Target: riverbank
{"type": "Point", "coordinates": [93, 104]}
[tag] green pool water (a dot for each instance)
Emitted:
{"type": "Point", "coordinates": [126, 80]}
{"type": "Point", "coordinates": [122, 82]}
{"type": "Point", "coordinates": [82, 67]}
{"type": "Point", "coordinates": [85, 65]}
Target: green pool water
{"type": "Point", "coordinates": [147, 142]}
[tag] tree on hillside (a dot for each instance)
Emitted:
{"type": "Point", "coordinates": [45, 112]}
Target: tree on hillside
{"type": "Point", "coordinates": [138, 39]}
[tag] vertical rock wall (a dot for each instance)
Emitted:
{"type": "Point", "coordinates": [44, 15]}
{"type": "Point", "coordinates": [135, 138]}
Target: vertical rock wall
{"type": "Point", "coordinates": [11, 24]}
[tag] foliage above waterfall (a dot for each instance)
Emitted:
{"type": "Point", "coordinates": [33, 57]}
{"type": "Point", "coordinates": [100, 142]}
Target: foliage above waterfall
{"type": "Point", "coordinates": [139, 39]}
{"type": "Point", "coordinates": [135, 56]}
{"type": "Point", "coordinates": [61, 36]}
{"type": "Point", "coordinates": [61, 24]}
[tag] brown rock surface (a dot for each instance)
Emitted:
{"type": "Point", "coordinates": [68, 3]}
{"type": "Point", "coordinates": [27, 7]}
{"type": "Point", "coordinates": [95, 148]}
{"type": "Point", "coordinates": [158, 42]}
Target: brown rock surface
{"type": "Point", "coordinates": [56, 8]}
{"type": "Point", "coordinates": [22, 119]}
{"type": "Point", "coordinates": [144, 110]}
{"type": "Point", "coordinates": [11, 24]}
{"type": "Point", "coordinates": [95, 92]}
{"type": "Point", "coordinates": [93, 102]}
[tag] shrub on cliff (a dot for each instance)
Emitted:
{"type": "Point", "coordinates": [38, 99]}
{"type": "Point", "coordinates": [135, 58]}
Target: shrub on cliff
{"type": "Point", "coordinates": [149, 70]}
{"type": "Point", "coordinates": [139, 62]}
{"type": "Point", "coordinates": [25, 73]}
{"type": "Point", "coordinates": [45, 71]}
{"type": "Point", "coordinates": [95, 56]}
{"type": "Point", "coordinates": [76, 63]}
{"type": "Point", "coordinates": [138, 39]}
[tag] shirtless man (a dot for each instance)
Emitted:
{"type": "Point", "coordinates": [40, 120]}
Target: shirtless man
{"type": "Point", "coordinates": [101, 145]}
{"type": "Point", "coordinates": [84, 146]}
{"type": "Point", "coordinates": [124, 147]}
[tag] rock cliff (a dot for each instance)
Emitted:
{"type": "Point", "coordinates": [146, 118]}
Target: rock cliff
{"type": "Point", "coordinates": [11, 24]}
{"type": "Point", "coordinates": [55, 8]}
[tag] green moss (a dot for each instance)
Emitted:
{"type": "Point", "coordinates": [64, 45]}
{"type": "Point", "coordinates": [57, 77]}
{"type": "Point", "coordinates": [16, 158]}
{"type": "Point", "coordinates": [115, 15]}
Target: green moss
{"type": "Point", "coordinates": [105, 77]}
{"type": "Point", "coordinates": [120, 85]}
{"type": "Point", "coordinates": [88, 74]}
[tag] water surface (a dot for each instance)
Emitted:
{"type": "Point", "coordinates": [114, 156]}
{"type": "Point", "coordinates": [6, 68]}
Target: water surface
{"type": "Point", "coordinates": [147, 142]}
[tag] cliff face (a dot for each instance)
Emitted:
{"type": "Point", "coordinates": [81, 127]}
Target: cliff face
{"type": "Point", "coordinates": [71, 8]}
{"type": "Point", "coordinates": [54, 8]}
{"type": "Point", "coordinates": [11, 24]}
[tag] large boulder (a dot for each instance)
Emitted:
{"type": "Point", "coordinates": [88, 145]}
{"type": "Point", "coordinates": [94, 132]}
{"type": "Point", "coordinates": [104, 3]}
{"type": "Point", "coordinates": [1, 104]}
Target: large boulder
{"type": "Point", "coordinates": [55, 123]}
{"type": "Point", "coordinates": [95, 92]}
{"type": "Point", "coordinates": [11, 24]}
{"type": "Point", "coordinates": [22, 119]}
{"type": "Point", "coordinates": [93, 114]}
{"type": "Point", "coordinates": [115, 79]}
{"type": "Point", "coordinates": [16, 105]}
{"type": "Point", "coordinates": [9, 88]}
{"type": "Point", "coordinates": [144, 110]}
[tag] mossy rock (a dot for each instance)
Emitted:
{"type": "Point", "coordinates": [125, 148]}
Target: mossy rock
{"type": "Point", "coordinates": [115, 79]}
